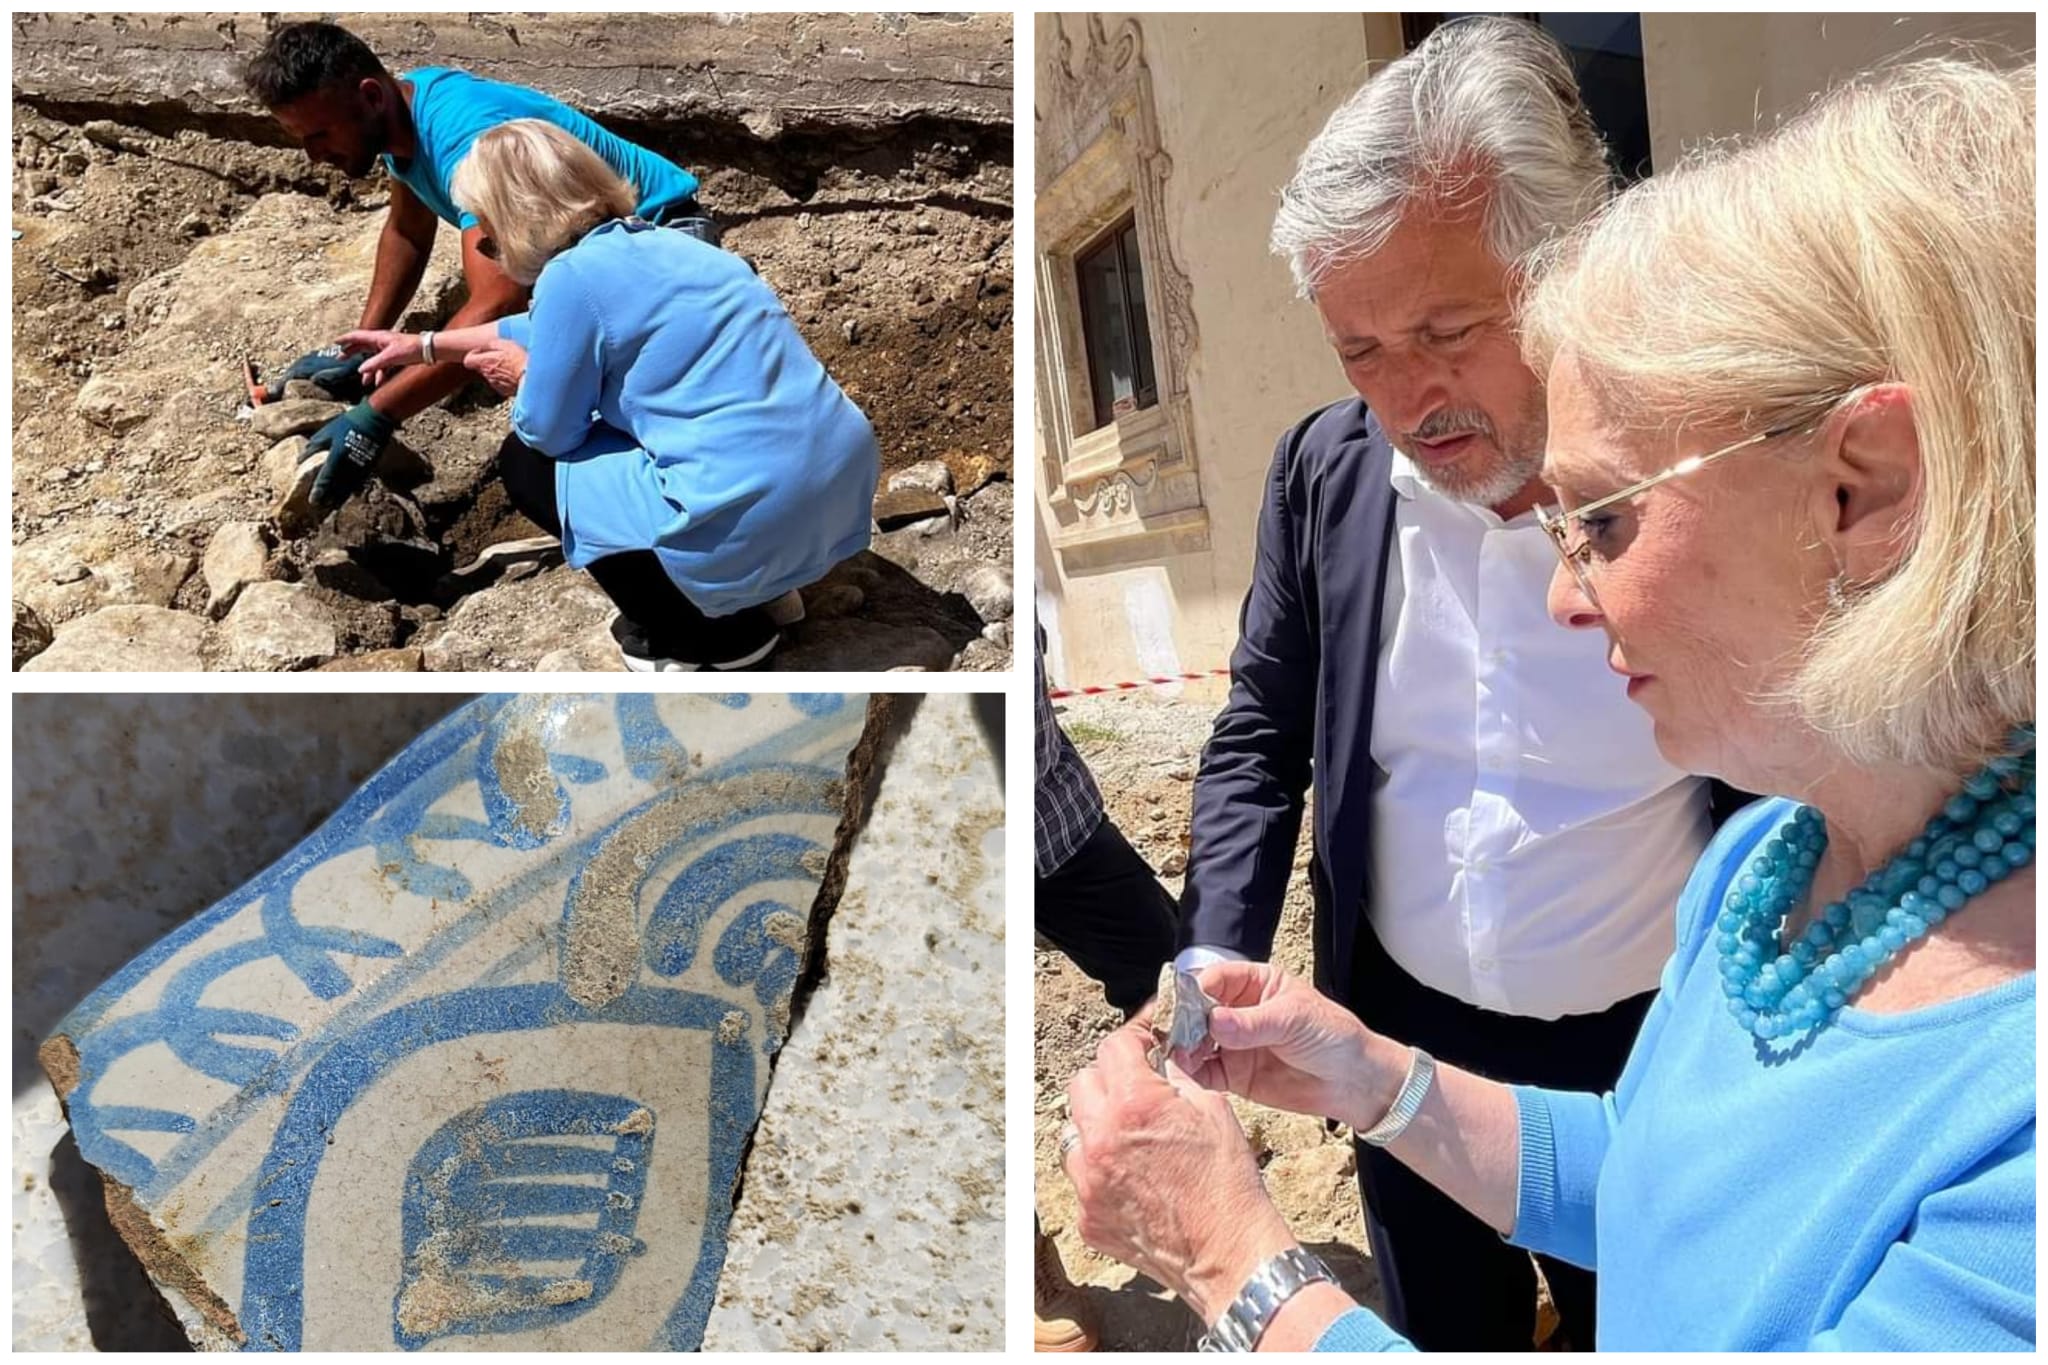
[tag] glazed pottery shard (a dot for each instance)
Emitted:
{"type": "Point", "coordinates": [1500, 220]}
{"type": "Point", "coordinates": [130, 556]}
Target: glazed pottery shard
{"type": "Point", "coordinates": [474, 1065]}
{"type": "Point", "coordinates": [1180, 1016]}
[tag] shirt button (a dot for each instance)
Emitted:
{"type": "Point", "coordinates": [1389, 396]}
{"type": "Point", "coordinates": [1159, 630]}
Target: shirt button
{"type": "Point", "coordinates": [1484, 964]}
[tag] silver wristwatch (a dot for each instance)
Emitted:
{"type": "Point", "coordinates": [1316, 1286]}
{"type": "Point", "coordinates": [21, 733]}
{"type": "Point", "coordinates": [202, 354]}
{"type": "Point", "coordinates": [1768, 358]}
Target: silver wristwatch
{"type": "Point", "coordinates": [1272, 1284]}
{"type": "Point", "coordinates": [1407, 1104]}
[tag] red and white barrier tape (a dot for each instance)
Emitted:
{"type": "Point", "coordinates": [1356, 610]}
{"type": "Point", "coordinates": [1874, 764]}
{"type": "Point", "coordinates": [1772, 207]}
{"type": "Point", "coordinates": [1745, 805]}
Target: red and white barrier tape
{"type": "Point", "coordinates": [1057, 693]}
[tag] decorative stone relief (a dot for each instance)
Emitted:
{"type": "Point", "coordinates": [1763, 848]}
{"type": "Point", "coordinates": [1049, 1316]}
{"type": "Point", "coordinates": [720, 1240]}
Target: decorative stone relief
{"type": "Point", "coordinates": [1100, 157]}
{"type": "Point", "coordinates": [473, 1066]}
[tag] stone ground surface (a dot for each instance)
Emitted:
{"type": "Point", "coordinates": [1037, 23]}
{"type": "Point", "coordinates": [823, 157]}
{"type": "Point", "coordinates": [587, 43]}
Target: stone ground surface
{"type": "Point", "coordinates": [1143, 750]}
{"type": "Point", "coordinates": [154, 256]}
{"type": "Point", "coordinates": [872, 1214]}
{"type": "Point", "coordinates": [131, 814]}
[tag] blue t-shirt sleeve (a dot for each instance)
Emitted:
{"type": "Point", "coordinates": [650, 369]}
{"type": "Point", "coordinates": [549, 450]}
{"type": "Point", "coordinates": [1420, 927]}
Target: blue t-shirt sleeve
{"type": "Point", "coordinates": [557, 402]}
{"type": "Point", "coordinates": [1361, 1330]}
{"type": "Point", "coordinates": [517, 329]}
{"type": "Point", "coordinates": [1962, 1278]}
{"type": "Point", "coordinates": [1565, 1134]}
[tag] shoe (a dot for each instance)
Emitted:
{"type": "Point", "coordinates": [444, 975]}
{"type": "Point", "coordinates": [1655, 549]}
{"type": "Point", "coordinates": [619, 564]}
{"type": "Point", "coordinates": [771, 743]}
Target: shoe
{"type": "Point", "coordinates": [725, 643]}
{"type": "Point", "coordinates": [1061, 1318]}
{"type": "Point", "coordinates": [787, 609]}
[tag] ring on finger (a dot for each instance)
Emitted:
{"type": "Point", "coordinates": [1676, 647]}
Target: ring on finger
{"type": "Point", "coordinates": [1070, 1138]}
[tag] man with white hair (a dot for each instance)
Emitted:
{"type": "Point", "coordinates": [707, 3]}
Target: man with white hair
{"type": "Point", "coordinates": [1497, 843]}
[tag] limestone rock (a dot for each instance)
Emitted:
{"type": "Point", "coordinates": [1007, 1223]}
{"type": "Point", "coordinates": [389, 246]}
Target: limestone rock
{"type": "Point", "coordinates": [140, 577]}
{"type": "Point", "coordinates": [126, 640]}
{"type": "Point", "coordinates": [863, 646]}
{"type": "Point", "coordinates": [294, 513]}
{"type": "Point", "coordinates": [279, 465]}
{"type": "Point", "coordinates": [237, 556]}
{"type": "Point", "coordinates": [116, 404]}
{"type": "Point", "coordinates": [990, 590]}
{"type": "Point", "coordinates": [982, 656]}
{"type": "Point", "coordinates": [904, 507]}
{"type": "Point", "coordinates": [522, 996]}
{"type": "Point", "coordinates": [293, 417]}
{"type": "Point", "coordinates": [275, 627]}
{"type": "Point", "coordinates": [892, 1055]}
{"type": "Point", "coordinates": [512, 625]}
{"type": "Point", "coordinates": [926, 476]}
{"type": "Point", "coordinates": [32, 634]}
{"type": "Point", "coordinates": [405, 660]}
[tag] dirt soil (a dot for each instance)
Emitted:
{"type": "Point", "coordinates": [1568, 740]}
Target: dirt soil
{"type": "Point", "coordinates": [1143, 750]}
{"type": "Point", "coordinates": [892, 253]}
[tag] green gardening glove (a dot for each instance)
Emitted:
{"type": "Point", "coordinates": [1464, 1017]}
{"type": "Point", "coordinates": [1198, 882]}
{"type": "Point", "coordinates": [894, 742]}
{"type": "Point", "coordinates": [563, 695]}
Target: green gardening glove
{"type": "Point", "coordinates": [334, 371]}
{"type": "Point", "coordinates": [352, 442]}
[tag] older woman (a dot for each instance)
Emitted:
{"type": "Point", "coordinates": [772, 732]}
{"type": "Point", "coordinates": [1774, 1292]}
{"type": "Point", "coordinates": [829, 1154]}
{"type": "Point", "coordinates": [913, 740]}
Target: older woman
{"type": "Point", "coordinates": [669, 422]}
{"type": "Point", "coordinates": [1792, 438]}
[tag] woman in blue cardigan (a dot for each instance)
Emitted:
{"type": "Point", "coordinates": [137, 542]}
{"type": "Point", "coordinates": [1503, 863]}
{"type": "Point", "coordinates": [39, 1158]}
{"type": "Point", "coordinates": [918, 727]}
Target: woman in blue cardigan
{"type": "Point", "coordinates": [1791, 403]}
{"type": "Point", "coordinates": [669, 423]}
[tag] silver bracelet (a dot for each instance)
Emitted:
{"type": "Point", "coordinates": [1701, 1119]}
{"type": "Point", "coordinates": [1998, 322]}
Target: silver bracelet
{"type": "Point", "coordinates": [1271, 1285]}
{"type": "Point", "coordinates": [1408, 1103]}
{"type": "Point", "coordinates": [427, 348]}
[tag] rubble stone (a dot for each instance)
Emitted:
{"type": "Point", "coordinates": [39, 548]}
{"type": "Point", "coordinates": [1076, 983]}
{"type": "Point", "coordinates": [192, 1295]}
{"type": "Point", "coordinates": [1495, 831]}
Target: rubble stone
{"type": "Point", "coordinates": [276, 627]}
{"type": "Point", "coordinates": [237, 556]}
{"type": "Point", "coordinates": [125, 640]}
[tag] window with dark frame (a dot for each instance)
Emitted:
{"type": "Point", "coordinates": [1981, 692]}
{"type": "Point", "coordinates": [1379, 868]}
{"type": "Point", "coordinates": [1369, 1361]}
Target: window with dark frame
{"type": "Point", "coordinates": [1118, 335]}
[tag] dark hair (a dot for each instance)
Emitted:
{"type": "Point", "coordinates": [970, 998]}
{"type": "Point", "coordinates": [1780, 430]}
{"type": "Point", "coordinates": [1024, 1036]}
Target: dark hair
{"type": "Point", "coordinates": [300, 59]}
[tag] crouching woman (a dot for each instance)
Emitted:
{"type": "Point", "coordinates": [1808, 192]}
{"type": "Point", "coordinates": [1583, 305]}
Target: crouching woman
{"type": "Point", "coordinates": [668, 421]}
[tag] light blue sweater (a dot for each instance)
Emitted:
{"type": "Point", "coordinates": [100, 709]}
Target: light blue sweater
{"type": "Point", "coordinates": [687, 416]}
{"type": "Point", "coordinates": [1870, 1190]}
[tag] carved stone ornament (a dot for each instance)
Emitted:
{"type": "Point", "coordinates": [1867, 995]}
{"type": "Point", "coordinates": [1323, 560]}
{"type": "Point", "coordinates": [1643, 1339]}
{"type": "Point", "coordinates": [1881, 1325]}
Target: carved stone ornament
{"type": "Point", "coordinates": [1100, 158]}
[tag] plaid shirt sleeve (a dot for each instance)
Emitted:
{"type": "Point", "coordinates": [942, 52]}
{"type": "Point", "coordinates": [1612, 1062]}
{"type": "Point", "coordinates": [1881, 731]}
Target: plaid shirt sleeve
{"type": "Point", "coordinates": [1069, 807]}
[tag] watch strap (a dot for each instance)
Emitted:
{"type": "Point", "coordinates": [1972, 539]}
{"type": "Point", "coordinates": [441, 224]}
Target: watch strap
{"type": "Point", "coordinates": [1281, 1277]}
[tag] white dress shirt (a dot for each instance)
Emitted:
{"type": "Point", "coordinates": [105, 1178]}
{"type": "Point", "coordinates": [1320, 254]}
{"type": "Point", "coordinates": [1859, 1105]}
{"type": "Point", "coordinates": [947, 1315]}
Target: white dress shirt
{"type": "Point", "coordinates": [1528, 842]}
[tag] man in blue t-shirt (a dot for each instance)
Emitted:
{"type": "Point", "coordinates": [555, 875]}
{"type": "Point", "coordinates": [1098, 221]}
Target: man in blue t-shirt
{"type": "Point", "coordinates": [333, 94]}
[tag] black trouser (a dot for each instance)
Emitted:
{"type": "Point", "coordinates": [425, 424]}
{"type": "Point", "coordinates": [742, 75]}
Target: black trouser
{"type": "Point", "coordinates": [689, 216]}
{"type": "Point", "coordinates": [635, 581]}
{"type": "Point", "coordinates": [1451, 1283]}
{"type": "Point", "coordinates": [1106, 910]}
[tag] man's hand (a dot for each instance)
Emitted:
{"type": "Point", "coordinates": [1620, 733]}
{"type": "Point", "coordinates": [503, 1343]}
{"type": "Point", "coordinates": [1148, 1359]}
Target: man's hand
{"type": "Point", "coordinates": [1276, 1040]}
{"type": "Point", "coordinates": [330, 367]}
{"type": "Point", "coordinates": [1166, 1180]}
{"type": "Point", "coordinates": [353, 442]}
{"type": "Point", "coordinates": [502, 364]}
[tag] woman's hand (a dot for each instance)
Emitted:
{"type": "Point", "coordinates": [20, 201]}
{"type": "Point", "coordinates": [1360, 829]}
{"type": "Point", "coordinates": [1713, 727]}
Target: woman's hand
{"type": "Point", "coordinates": [1166, 1180]}
{"type": "Point", "coordinates": [388, 351]}
{"type": "Point", "coordinates": [502, 364]}
{"type": "Point", "coordinates": [1276, 1040]}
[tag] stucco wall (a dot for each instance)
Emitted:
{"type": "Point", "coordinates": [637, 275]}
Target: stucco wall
{"type": "Point", "coordinates": [1717, 75]}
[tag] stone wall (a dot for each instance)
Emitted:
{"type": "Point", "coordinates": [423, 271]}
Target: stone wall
{"type": "Point", "coordinates": [770, 72]}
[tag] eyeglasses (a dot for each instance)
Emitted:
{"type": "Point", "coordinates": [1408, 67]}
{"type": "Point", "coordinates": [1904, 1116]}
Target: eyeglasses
{"type": "Point", "coordinates": [1565, 525]}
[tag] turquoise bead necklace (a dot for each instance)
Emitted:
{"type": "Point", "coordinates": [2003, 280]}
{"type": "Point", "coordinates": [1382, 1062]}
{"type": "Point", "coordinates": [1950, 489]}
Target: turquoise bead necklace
{"type": "Point", "coordinates": [1982, 835]}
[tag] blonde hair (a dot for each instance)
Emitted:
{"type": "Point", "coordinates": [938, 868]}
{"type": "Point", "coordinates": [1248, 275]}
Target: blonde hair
{"type": "Point", "coordinates": [1886, 235]}
{"type": "Point", "coordinates": [540, 189]}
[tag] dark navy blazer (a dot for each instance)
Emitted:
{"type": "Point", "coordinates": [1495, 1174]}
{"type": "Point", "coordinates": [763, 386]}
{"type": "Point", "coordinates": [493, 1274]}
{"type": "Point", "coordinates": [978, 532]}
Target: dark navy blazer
{"type": "Point", "coordinates": [1302, 680]}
